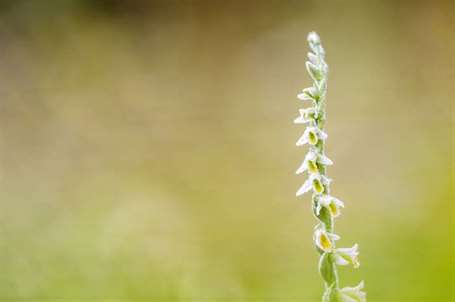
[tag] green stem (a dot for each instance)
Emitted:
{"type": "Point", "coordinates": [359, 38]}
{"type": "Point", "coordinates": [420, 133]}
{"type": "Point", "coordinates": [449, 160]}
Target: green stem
{"type": "Point", "coordinates": [327, 219]}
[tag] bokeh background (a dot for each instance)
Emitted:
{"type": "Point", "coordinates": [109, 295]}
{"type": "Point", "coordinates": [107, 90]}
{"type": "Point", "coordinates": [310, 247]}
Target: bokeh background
{"type": "Point", "coordinates": [147, 150]}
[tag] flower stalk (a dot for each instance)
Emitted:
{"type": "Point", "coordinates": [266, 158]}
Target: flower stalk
{"type": "Point", "coordinates": [325, 207]}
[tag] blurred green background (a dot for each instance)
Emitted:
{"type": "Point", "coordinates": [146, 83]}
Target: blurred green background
{"type": "Point", "coordinates": [147, 150]}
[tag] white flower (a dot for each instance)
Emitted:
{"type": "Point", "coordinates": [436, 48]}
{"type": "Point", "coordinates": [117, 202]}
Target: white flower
{"type": "Point", "coordinates": [352, 294]}
{"type": "Point", "coordinates": [318, 90]}
{"type": "Point", "coordinates": [306, 115]}
{"type": "Point", "coordinates": [325, 240]}
{"type": "Point", "coordinates": [308, 94]}
{"type": "Point", "coordinates": [309, 163]}
{"type": "Point", "coordinates": [315, 71]}
{"type": "Point", "coordinates": [317, 182]}
{"type": "Point", "coordinates": [331, 203]}
{"type": "Point", "coordinates": [311, 136]}
{"type": "Point", "coordinates": [345, 256]}
{"type": "Point", "coordinates": [312, 161]}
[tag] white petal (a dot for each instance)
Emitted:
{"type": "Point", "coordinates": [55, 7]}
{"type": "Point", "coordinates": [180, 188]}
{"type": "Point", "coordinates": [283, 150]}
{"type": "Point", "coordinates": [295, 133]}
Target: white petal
{"type": "Point", "coordinates": [300, 120]}
{"type": "Point", "coordinates": [325, 68]}
{"type": "Point", "coordinates": [325, 160]}
{"type": "Point", "coordinates": [318, 209]}
{"type": "Point", "coordinates": [360, 286]}
{"type": "Point", "coordinates": [313, 58]}
{"type": "Point", "coordinates": [308, 94]}
{"type": "Point", "coordinates": [333, 236]}
{"type": "Point", "coordinates": [313, 70]}
{"type": "Point", "coordinates": [311, 91]}
{"type": "Point", "coordinates": [345, 298]}
{"type": "Point", "coordinates": [324, 200]}
{"type": "Point", "coordinates": [321, 86]}
{"type": "Point", "coordinates": [305, 187]}
{"type": "Point", "coordinates": [322, 134]}
{"type": "Point", "coordinates": [318, 49]}
{"type": "Point", "coordinates": [302, 167]}
{"type": "Point", "coordinates": [304, 97]}
{"type": "Point", "coordinates": [354, 294]}
{"type": "Point", "coordinates": [302, 140]}
{"type": "Point", "coordinates": [352, 251]}
{"type": "Point", "coordinates": [315, 176]}
{"type": "Point", "coordinates": [311, 156]}
{"type": "Point", "coordinates": [340, 260]}
{"type": "Point", "coordinates": [338, 202]}
{"type": "Point", "coordinates": [326, 180]}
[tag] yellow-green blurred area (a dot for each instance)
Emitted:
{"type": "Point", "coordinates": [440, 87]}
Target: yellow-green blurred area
{"type": "Point", "coordinates": [147, 150]}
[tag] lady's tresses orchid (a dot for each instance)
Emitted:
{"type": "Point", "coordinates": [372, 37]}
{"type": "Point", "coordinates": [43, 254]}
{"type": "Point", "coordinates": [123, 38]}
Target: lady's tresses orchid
{"type": "Point", "coordinates": [317, 182]}
{"type": "Point", "coordinates": [332, 204]}
{"type": "Point", "coordinates": [325, 207]}
{"type": "Point", "coordinates": [324, 240]}
{"type": "Point", "coordinates": [306, 115]}
{"type": "Point", "coordinates": [312, 162]}
{"type": "Point", "coordinates": [352, 294]}
{"type": "Point", "coordinates": [312, 136]}
{"type": "Point", "coordinates": [346, 256]}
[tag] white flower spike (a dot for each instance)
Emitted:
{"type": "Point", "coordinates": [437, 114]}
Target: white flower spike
{"type": "Point", "coordinates": [352, 294]}
{"type": "Point", "coordinates": [325, 207]}
{"type": "Point", "coordinates": [346, 256]}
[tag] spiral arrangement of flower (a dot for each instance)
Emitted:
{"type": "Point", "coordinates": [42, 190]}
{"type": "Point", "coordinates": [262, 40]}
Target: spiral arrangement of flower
{"type": "Point", "coordinates": [325, 206]}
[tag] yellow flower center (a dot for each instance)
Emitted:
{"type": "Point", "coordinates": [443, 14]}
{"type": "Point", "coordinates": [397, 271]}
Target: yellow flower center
{"type": "Point", "coordinates": [333, 209]}
{"type": "Point", "coordinates": [325, 242]}
{"type": "Point", "coordinates": [312, 138]}
{"type": "Point", "coordinates": [317, 185]}
{"type": "Point", "coordinates": [312, 166]}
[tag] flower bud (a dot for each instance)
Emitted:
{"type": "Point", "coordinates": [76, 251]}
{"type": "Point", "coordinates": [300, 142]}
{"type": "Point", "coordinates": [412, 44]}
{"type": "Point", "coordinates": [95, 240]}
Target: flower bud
{"type": "Point", "coordinates": [313, 38]}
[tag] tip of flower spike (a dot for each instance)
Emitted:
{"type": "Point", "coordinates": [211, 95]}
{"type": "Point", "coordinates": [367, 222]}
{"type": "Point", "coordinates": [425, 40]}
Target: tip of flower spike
{"type": "Point", "coordinates": [313, 38]}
